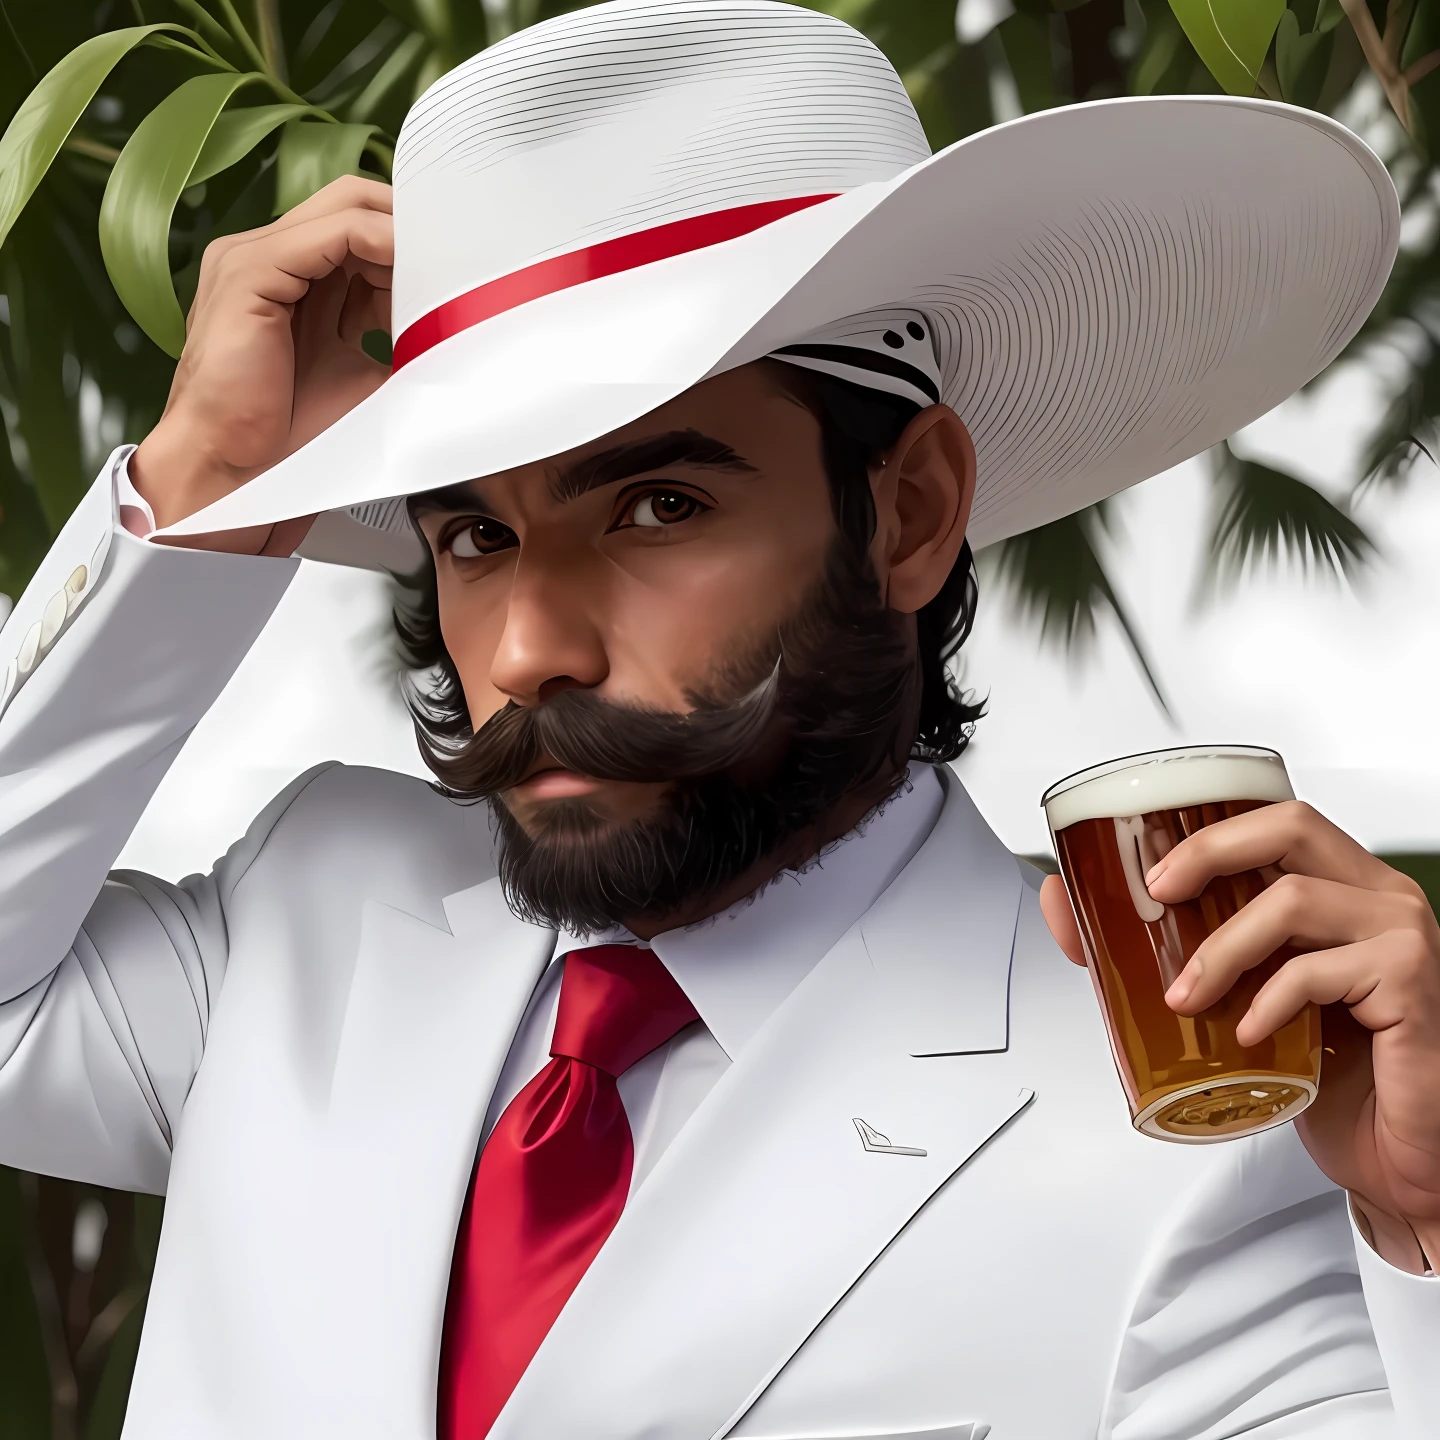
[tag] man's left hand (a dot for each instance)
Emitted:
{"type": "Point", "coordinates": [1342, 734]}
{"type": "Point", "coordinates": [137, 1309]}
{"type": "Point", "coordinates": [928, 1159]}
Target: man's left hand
{"type": "Point", "coordinates": [1371, 952]}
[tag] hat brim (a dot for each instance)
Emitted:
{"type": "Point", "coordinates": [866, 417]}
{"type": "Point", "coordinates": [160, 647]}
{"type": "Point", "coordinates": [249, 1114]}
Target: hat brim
{"type": "Point", "coordinates": [1115, 286]}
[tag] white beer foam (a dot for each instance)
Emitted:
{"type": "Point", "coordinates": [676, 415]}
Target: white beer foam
{"type": "Point", "coordinates": [1165, 780]}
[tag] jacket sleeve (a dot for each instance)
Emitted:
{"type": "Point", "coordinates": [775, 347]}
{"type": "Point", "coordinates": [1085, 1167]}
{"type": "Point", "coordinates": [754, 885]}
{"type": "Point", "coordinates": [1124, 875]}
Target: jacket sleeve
{"type": "Point", "coordinates": [1252, 1321]}
{"type": "Point", "coordinates": [1405, 1311]}
{"type": "Point", "coordinates": [111, 656]}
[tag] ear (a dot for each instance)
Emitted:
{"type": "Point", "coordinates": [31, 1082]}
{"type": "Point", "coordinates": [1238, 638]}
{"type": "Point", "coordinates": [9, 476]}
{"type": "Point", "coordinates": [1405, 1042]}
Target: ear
{"type": "Point", "coordinates": [922, 506]}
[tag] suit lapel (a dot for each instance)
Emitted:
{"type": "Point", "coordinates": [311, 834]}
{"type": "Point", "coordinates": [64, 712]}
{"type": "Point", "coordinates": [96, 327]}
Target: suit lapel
{"type": "Point", "coordinates": [943, 935]}
{"type": "Point", "coordinates": [768, 1206]}
{"type": "Point", "coordinates": [430, 1019]}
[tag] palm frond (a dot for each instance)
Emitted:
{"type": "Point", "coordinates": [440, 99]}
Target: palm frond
{"type": "Point", "coordinates": [1264, 516]}
{"type": "Point", "coordinates": [1057, 579]}
{"type": "Point", "coordinates": [1401, 340]}
{"type": "Point", "coordinates": [1409, 424]}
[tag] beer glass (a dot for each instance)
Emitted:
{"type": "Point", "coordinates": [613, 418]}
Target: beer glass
{"type": "Point", "coordinates": [1186, 1077]}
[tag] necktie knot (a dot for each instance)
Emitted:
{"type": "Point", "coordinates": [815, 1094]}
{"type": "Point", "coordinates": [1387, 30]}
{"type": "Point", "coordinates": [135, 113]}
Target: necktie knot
{"type": "Point", "coordinates": [617, 1004]}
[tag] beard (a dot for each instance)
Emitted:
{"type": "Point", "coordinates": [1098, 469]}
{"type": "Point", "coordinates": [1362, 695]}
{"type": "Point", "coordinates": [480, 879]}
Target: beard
{"type": "Point", "coordinates": [788, 730]}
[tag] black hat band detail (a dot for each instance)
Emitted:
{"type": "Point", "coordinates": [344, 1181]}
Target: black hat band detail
{"type": "Point", "coordinates": [858, 359]}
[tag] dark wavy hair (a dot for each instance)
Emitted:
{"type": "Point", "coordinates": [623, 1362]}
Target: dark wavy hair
{"type": "Point", "coordinates": [858, 427]}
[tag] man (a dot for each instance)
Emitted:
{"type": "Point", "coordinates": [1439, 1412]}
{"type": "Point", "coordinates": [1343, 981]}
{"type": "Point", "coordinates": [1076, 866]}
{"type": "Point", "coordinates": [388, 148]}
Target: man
{"type": "Point", "coordinates": [730, 1083]}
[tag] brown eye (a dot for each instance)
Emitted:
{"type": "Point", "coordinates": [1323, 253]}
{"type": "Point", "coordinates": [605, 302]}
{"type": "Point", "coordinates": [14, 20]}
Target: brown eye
{"type": "Point", "coordinates": [479, 537]}
{"type": "Point", "coordinates": [664, 507]}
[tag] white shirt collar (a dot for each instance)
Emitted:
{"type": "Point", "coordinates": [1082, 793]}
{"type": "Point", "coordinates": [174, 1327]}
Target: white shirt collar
{"type": "Point", "coordinates": [738, 966]}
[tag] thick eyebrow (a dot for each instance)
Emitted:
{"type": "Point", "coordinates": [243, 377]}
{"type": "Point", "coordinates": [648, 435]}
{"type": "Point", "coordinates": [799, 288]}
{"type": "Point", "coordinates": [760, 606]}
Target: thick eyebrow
{"type": "Point", "coordinates": [448, 500]}
{"type": "Point", "coordinates": [656, 452]}
{"type": "Point", "coordinates": [636, 457]}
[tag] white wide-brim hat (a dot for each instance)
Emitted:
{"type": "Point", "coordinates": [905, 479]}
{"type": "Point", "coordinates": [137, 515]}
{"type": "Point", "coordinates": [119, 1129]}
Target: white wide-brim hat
{"type": "Point", "coordinates": [606, 209]}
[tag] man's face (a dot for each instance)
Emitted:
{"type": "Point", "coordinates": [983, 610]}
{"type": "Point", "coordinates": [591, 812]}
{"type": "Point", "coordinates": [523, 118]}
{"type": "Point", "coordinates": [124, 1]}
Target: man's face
{"type": "Point", "coordinates": [648, 567]}
{"type": "Point", "coordinates": [677, 671]}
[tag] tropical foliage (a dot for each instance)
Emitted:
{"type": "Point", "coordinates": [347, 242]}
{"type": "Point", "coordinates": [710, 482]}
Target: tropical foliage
{"type": "Point", "coordinates": [140, 129]}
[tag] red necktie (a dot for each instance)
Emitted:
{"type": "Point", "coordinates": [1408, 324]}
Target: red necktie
{"type": "Point", "coordinates": [552, 1180]}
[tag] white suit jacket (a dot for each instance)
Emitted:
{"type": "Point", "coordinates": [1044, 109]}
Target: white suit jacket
{"type": "Point", "coordinates": [299, 1047]}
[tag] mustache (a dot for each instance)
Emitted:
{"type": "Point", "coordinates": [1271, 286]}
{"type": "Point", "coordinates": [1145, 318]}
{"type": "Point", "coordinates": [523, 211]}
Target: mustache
{"type": "Point", "coordinates": [609, 740]}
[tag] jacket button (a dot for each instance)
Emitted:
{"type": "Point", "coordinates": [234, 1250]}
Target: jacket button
{"type": "Point", "coordinates": [52, 619]}
{"type": "Point", "coordinates": [75, 588]}
{"type": "Point", "coordinates": [29, 650]}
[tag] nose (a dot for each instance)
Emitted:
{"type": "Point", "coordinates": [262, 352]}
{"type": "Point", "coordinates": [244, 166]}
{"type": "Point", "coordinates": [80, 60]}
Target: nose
{"type": "Point", "coordinates": [551, 641]}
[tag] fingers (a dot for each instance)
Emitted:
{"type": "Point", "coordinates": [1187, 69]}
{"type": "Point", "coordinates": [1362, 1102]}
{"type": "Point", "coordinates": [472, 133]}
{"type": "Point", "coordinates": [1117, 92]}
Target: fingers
{"type": "Point", "coordinates": [1290, 835]}
{"type": "Point", "coordinates": [1060, 918]}
{"type": "Point", "coordinates": [1296, 910]}
{"type": "Point", "coordinates": [337, 309]}
{"type": "Point", "coordinates": [317, 315]}
{"type": "Point", "coordinates": [349, 192]}
{"type": "Point", "coordinates": [279, 264]}
{"type": "Point", "coordinates": [1376, 978]}
{"type": "Point", "coordinates": [365, 308]}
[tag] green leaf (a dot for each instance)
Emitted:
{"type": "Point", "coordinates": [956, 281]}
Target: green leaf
{"type": "Point", "coordinates": [1164, 40]}
{"type": "Point", "coordinates": [1027, 45]}
{"type": "Point", "coordinates": [236, 133]}
{"type": "Point", "coordinates": [112, 1390]}
{"type": "Point", "coordinates": [24, 1373]}
{"type": "Point", "coordinates": [953, 97]}
{"type": "Point", "coordinates": [1057, 577]}
{"type": "Point", "coordinates": [45, 396]}
{"type": "Point", "coordinates": [358, 67]}
{"type": "Point", "coordinates": [402, 59]}
{"type": "Point", "coordinates": [149, 1213]}
{"type": "Point", "coordinates": [458, 28]}
{"type": "Point", "coordinates": [312, 154]}
{"type": "Point", "coordinates": [1231, 37]}
{"type": "Point", "coordinates": [1425, 108]}
{"type": "Point", "coordinates": [1409, 425]}
{"type": "Point", "coordinates": [153, 168]}
{"type": "Point", "coordinates": [24, 539]}
{"type": "Point", "coordinates": [44, 122]}
{"type": "Point", "coordinates": [1422, 37]}
{"type": "Point", "coordinates": [1423, 867]}
{"type": "Point", "coordinates": [1301, 61]}
{"type": "Point", "coordinates": [1400, 341]}
{"type": "Point", "coordinates": [1263, 515]}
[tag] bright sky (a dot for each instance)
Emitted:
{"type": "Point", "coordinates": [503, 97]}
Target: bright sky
{"type": "Point", "coordinates": [1344, 683]}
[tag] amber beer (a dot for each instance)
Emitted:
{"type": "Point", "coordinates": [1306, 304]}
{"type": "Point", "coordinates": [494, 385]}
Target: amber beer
{"type": "Point", "coordinates": [1186, 1077]}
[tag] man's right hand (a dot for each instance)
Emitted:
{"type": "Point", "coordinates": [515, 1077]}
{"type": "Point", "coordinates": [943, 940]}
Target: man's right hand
{"type": "Point", "coordinates": [272, 356]}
